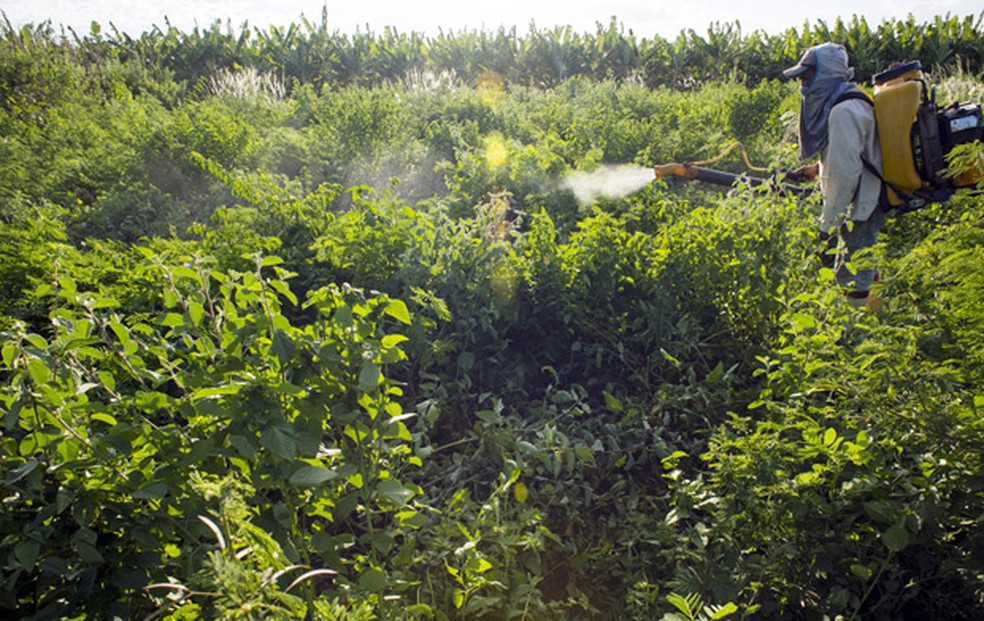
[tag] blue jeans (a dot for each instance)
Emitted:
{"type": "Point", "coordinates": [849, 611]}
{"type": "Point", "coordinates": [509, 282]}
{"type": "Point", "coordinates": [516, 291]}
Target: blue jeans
{"type": "Point", "coordinates": [858, 236]}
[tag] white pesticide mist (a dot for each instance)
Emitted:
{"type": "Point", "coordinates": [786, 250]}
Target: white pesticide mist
{"type": "Point", "coordinates": [610, 181]}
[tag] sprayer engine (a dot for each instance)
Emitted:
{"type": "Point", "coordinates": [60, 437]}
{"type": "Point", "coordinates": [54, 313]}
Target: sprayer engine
{"type": "Point", "coordinates": [959, 124]}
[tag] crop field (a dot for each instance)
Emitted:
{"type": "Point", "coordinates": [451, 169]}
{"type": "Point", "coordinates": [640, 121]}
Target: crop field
{"type": "Point", "coordinates": [303, 325]}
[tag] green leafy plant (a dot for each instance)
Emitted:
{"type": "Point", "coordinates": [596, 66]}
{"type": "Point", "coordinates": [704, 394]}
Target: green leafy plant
{"type": "Point", "coordinates": [692, 608]}
{"type": "Point", "coordinates": [343, 345]}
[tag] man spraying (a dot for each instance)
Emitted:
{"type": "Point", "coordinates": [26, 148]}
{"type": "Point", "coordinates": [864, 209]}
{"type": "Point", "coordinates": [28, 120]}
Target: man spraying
{"type": "Point", "coordinates": [837, 122]}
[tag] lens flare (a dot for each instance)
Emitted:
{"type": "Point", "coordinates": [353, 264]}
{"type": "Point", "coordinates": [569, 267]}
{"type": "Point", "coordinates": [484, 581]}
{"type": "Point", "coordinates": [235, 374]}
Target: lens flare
{"type": "Point", "coordinates": [496, 152]}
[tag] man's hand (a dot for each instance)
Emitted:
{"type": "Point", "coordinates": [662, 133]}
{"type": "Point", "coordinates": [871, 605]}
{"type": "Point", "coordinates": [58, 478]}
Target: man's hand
{"type": "Point", "coordinates": [803, 174]}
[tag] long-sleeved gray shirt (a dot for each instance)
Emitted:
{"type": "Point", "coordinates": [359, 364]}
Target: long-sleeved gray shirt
{"type": "Point", "coordinates": [850, 191]}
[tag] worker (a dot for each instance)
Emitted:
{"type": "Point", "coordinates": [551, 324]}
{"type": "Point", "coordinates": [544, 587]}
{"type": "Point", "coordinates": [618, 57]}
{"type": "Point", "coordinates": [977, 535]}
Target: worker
{"type": "Point", "coordinates": [837, 123]}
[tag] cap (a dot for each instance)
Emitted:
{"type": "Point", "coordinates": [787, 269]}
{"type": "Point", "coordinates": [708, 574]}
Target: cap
{"type": "Point", "coordinates": [809, 61]}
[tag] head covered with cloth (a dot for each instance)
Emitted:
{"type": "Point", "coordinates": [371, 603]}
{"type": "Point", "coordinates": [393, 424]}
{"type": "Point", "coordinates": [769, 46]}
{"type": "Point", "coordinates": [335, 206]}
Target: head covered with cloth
{"type": "Point", "coordinates": [826, 76]}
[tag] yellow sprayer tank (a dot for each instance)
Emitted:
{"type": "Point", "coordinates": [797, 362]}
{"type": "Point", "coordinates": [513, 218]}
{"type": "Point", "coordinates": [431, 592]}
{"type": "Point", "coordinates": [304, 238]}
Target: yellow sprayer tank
{"type": "Point", "coordinates": [898, 93]}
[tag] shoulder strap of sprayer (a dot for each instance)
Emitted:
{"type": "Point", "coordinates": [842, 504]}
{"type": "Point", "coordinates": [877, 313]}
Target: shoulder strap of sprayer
{"type": "Point", "coordinates": [857, 93]}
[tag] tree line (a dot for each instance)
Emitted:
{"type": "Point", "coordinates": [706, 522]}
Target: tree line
{"type": "Point", "coordinates": [313, 52]}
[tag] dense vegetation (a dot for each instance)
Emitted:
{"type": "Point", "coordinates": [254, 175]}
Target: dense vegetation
{"type": "Point", "coordinates": [308, 325]}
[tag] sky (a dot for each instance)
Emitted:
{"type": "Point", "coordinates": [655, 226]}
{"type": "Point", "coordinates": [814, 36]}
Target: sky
{"type": "Point", "coordinates": [646, 19]}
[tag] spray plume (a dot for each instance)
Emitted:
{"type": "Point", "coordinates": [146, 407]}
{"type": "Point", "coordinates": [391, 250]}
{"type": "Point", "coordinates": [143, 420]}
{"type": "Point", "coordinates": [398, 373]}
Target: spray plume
{"type": "Point", "coordinates": [610, 181]}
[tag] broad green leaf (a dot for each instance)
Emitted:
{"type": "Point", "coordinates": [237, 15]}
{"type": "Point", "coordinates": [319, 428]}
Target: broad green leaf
{"type": "Point", "coordinates": [85, 546]}
{"type": "Point", "coordinates": [39, 371]}
{"type": "Point", "coordinates": [803, 321]}
{"type": "Point", "coordinates": [885, 511]}
{"type": "Point", "coordinates": [372, 580]}
{"type": "Point", "coordinates": [355, 481]}
{"type": "Point", "coordinates": [370, 377]}
{"type": "Point", "coordinates": [896, 538]}
{"type": "Point", "coordinates": [403, 433]}
{"type": "Point", "coordinates": [283, 346]}
{"type": "Point", "coordinates": [279, 441]}
{"type": "Point", "coordinates": [243, 445]}
{"type": "Point", "coordinates": [279, 322]}
{"type": "Point", "coordinates": [725, 611]}
{"type": "Point", "coordinates": [9, 351]}
{"type": "Point", "coordinates": [613, 403]}
{"type": "Point", "coordinates": [283, 289]}
{"type": "Point", "coordinates": [183, 271]}
{"type": "Point", "coordinates": [151, 491]}
{"type": "Point", "coordinates": [103, 417]}
{"type": "Point", "coordinates": [67, 285]}
{"type": "Point", "coordinates": [310, 476]}
{"type": "Point", "coordinates": [563, 397]}
{"type": "Point", "coordinates": [211, 392]}
{"type": "Point", "coordinates": [394, 491]}
{"type": "Point", "coordinates": [173, 320]}
{"type": "Point", "coordinates": [382, 542]}
{"type": "Point", "coordinates": [105, 303]}
{"type": "Point", "coordinates": [284, 514]}
{"type": "Point", "coordinates": [21, 471]}
{"type": "Point", "coordinates": [584, 453]}
{"type": "Point", "coordinates": [123, 335]}
{"type": "Point", "coordinates": [861, 571]}
{"type": "Point", "coordinates": [12, 416]}
{"type": "Point", "coordinates": [26, 552]}
{"type": "Point", "coordinates": [419, 611]}
{"type": "Point", "coordinates": [397, 309]}
{"type": "Point", "coordinates": [343, 316]}
{"type": "Point", "coordinates": [392, 340]}
{"type": "Point", "coordinates": [490, 417]}
{"type": "Point", "coordinates": [412, 519]}
{"type": "Point", "coordinates": [119, 443]}
{"type": "Point", "coordinates": [55, 565]}
{"type": "Point", "coordinates": [196, 312]}
{"type": "Point", "coordinates": [108, 380]}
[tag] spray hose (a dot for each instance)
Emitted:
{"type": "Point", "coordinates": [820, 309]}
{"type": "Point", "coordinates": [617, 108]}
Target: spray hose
{"type": "Point", "coordinates": [744, 155]}
{"type": "Point", "coordinates": [695, 171]}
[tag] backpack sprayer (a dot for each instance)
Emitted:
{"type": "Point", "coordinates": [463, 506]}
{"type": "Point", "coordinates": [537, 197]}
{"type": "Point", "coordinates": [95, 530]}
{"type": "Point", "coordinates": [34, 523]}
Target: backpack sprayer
{"type": "Point", "coordinates": [915, 136]}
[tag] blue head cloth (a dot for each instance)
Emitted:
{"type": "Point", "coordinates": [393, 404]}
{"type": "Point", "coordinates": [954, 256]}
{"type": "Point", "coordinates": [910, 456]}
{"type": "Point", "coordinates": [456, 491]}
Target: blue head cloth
{"type": "Point", "coordinates": [831, 79]}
